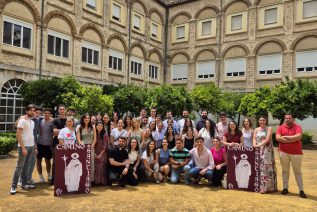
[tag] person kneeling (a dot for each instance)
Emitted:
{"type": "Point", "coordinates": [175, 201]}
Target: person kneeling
{"type": "Point", "coordinates": [150, 163]}
{"type": "Point", "coordinates": [203, 163]}
{"type": "Point", "coordinates": [119, 163]}
{"type": "Point", "coordinates": [179, 158]}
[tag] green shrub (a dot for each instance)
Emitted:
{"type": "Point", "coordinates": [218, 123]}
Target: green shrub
{"type": "Point", "coordinates": [7, 144]}
{"type": "Point", "coordinates": [306, 138]}
{"type": "Point", "coordinates": [8, 134]}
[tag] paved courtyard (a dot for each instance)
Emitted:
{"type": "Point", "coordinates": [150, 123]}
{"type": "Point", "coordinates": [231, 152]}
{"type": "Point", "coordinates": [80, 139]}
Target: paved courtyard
{"type": "Point", "coordinates": [163, 197]}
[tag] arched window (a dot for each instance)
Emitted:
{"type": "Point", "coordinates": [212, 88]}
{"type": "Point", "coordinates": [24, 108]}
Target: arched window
{"type": "Point", "coordinates": [11, 106]}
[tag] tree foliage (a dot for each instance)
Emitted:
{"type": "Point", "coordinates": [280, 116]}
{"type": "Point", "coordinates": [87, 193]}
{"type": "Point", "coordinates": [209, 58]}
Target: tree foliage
{"type": "Point", "coordinates": [168, 98]}
{"type": "Point", "coordinates": [129, 98]}
{"type": "Point", "coordinates": [255, 104]}
{"type": "Point", "coordinates": [206, 97]}
{"type": "Point", "coordinates": [230, 102]}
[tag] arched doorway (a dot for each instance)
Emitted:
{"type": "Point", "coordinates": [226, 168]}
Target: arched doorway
{"type": "Point", "coordinates": [11, 106]}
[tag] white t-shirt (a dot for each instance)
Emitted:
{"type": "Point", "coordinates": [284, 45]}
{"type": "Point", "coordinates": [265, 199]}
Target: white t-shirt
{"type": "Point", "coordinates": [148, 159]}
{"type": "Point", "coordinates": [133, 156]}
{"type": "Point", "coordinates": [116, 134]}
{"type": "Point", "coordinates": [67, 135]}
{"type": "Point", "coordinates": [27, 134]}
{"type": "Point", "coordinates": [207, 139]}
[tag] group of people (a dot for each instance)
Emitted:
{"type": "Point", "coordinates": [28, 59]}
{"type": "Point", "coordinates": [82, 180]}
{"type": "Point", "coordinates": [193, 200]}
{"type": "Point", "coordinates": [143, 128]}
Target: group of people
{"type": "Point", "coordinates": [130, 150]}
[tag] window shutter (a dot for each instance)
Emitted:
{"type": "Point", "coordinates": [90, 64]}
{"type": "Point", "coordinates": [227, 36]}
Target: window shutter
{"type": "Point", "coordinates": [270, 62]}
{"type": "Point", "coordinates": [270, 16]}
{"type": "Point", "coordinates": [206, 28]}
{"type": "Point", "coordinates": [235, 65]}
{"type": "Point", "coordinates": [306, 59]}
{"type": "Point", "coordinates": [236, 22]}
{"type": "Point", "coordinates": [310, 8]}
{"type": "Point", "coordinates": [206, 68]}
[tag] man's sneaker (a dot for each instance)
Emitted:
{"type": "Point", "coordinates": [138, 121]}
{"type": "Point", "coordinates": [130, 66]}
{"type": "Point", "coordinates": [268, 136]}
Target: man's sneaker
{"type": "Point", "coordinates": [28, 186]}
{"type": "Point", "coordinates": [31, 182]}
{"type": "Point", "coordinates": [49, 177]}
{"type": "Point", "coordinates": [157, 181]}
{"type": "Point", "coordinates": [42, 180]}
{"type": "Point", "coordinates": [20, 183]}
{"type": "Point", "coordinates": [13, 190]}
{"type": "Point", "coordinates": [285, 191]}
{"type": "Point", "coordinates": [302, 194]}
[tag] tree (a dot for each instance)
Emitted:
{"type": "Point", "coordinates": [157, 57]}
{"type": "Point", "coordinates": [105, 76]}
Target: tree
{"type": "Point", "coordinates": [294, 97]}
{"type": "Point", "coordinates": [41, 92]}
{"type": "Point", "coordinates": [230, 102]}
{"type": "Point", "coordinates": [206, 97]}
{"type": "Point", "coordinates": [255, 104]}
{"type": "Point", "coordinates": [92, 101]}
{"type": "Point", "coordinates": [129, 98]}
{"type": "Point", "coordinates": [168, 98]}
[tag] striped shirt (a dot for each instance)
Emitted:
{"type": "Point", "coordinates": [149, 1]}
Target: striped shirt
{"type": "Point", "coordinates": [179, 155]}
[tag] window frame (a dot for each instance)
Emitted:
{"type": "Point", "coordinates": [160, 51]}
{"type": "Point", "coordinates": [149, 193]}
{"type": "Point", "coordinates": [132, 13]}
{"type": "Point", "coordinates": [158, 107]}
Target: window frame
{"type": "Point", "coordinates": [270, 72]}
{"type": "Point", "coordinates": [156, 71]}
{"type": "Point", "coordinates": [115, 55]}
{"type": "Point", "coordinates": [208, 75]}
{"type": "Point", "coordinates": [94, 48]}
{"type": "Point", "coordinates": [235, 73]}
{"type": "Point", "coordinates": [63, 37]}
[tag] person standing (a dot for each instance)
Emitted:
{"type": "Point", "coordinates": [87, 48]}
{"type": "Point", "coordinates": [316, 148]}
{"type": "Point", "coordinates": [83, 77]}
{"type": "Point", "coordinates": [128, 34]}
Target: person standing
{"type": "Point", "coordinates": [101, 155]}
{"type": "Point", "coordinates": [116, 133]}
{"type": "Point", "coordinates": [222, 126]}
{"type": "Point", "coordinates": [44, 144]}
{"type": "Point", "coordinates": [289, 136]}
{"type": "Point", "coordinates": [262, 139]}
{"type": "Point", "coordinates": [26, 149]}
{"type": "Point", "coordinates": [181, 123]}
{"type": "Point", "coordinates": [220, 158]}
{"type": "Point", "coordinates": [208, 133]}
{"type": "Point", "coordinates": [169, 117]}
{"type": "Point", "coordinates": [247, 132]}
{"type": "Point", "coordinates": [233, 137]}
{"type": "Point", "coordinates": [67, 135]}
{"type": "Point", "coordinates": [58, 124]}
{"type": "Point", "coordinates": [204, 117]}
{"type": "Point", "coordinates": [152, 115]}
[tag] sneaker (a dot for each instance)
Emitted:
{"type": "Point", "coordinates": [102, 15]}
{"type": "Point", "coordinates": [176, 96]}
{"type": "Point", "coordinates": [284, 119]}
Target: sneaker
{"type": "Point", "coordinates": [31, 182]}
{"type": "Point", "coordinates": [42, 180]}
{"type": "Point", "coordinates": [302, 194]}
{"type": "Point", "coordinates": [20, 183]}
{"type": "Point", "coordinates": [49, 177]}
{"type": "Point", "coordinates": [13, 190]}
{"type": "Point", "coordinates": [157, 181]}
{"type": "Point", "coordinates": [28, 186]}
{"type": "Point", "coordinates": [285, 191]}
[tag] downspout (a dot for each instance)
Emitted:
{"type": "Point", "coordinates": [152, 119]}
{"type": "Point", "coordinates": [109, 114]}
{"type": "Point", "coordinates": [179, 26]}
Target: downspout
{"type": "Point", "coordinates": [129, 39]}
{"type": "Point", "coordinates": [165, 44]}
{"type": "Point", "coordinates": [219, 44]}
{"type": "Point", "coordinates": [41, 40]}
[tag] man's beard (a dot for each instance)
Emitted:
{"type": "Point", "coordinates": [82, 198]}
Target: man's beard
{"type": "Point", "coordinates": [204, 117]}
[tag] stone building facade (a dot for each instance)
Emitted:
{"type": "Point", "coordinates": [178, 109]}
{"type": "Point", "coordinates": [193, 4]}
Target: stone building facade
{"type": "Point", "coordinates": [240, 45]}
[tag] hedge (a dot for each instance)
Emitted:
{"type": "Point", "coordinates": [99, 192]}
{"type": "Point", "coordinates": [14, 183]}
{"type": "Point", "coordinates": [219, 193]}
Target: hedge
{"type": "Point", "coordinates": [7, 144]}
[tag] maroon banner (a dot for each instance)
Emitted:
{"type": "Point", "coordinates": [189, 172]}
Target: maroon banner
{"type": "Point", "coordinates": [72, 169]}
{"type": "Point", "coordinates": [243, 170]}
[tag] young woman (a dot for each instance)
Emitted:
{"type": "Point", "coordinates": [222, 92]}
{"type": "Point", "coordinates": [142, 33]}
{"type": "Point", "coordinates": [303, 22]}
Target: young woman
{"type": "Point", "coordinates": [189, 139]}
{"type": "Point", "coordinates": [152, 126]}
{"type": "Point", "coordinates": [247, 132]}
{"type": "Point", "coordinates": [116, 133]}
{"type": "Point", "coordinates": [146, 138]}
{"type": "Point", "coordinates": [233, 137]}
{"type": "Point", "coordinates": [93, 120]}
{"type": "Point", "coordinates": [101, 155]}
{"type": "Point", "coordinates": [170, 137]}
{"type": "Point", "coordinates": [150, 161]}
{"type": "Point", "coordinates": [170, 123]}
{"type": "Point", "coordinates": [187, 124]}
{"type": "Point", "coordinates": [67, 135]}
{"type": "Point", "coordinates": [86, 134]}
{"type": "Point", "coordinates": [220, 160]}
{"type": "Point", "coordinates": [106, 124]}
{"type": "Point", "coordinates": [163, 160]}
{"type": "Point", "coordinates": [115, 119]}
{"type": "Point", "coordinates": [134, 157]}
{"type": "Point", "coordinates": [127, 123]}
{"type": "Point", "coordinates": [98, 117]}
{"type": "Point", "coordinates": [262, 139]}
{"type": "Point", "coordinates": [136, 131]}
{"type": "Point", "coordinates": [208, 133]}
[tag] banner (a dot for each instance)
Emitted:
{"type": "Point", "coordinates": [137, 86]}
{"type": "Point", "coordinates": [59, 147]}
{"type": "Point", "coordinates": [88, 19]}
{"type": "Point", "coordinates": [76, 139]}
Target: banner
{"type": "Point", "coordinates": [243, 169]}
{"type": "Point", "coordinates": [72, 169]}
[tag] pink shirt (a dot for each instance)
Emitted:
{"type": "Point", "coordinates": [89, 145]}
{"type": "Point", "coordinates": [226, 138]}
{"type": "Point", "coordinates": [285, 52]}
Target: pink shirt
{"type": "Point", "coordinates": [218, 155]}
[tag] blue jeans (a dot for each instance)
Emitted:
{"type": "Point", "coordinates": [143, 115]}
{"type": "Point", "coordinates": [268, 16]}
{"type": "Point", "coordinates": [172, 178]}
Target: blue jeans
{"type": "Point", "coordinates": [31, 167]}
{"type": "Point", "coordinates": [176, 172]}
{"type": "Point", "coordinates": [193, 172]}
{"type": "Point", "coordinates": [23, 166]}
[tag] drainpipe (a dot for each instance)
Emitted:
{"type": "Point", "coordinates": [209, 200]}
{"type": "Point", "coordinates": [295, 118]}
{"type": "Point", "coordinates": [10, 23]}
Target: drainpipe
{"type": "Point", "coordinates": [129, 39]}
{"type": "Point", "coordinates": [219, 44]}
{"type": "Point", "coordinates": [165, 44]}
{"type": "Point", "coordinates": [41, 40]}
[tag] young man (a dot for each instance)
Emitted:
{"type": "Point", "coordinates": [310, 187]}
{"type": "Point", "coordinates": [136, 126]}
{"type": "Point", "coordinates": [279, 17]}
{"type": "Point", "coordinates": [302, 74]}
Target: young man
{"type": "Point", "coordinates": [153, 115]}
{"type": "Point", "coordinates": [119, 163]}
{"type": "Point", "coordinates": [144, 123]}
{"type": "Point", "coordinates": [58, 124]}
{"type": "Point", "coordinates": [181, 122]}
{"type": "Point", "coordinates": [44, 144]}
{"type": "Point", "coordinates": [289, 136]}
{"type": "Point", "coordinates": [203, 162]}
{"type": "Point", "coordinates": [169, 115]}
{"type": "Point", "coordinates": [26, 149]}
{"type": "Point", "coordinates": [179, 158]}
{"type": "Point", "coordinates": [222, 126]}
{"type": "Point", "coordinates": [142, 113]}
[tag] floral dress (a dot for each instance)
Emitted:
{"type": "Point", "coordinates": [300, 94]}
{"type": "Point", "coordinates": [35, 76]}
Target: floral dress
{"type": "Point", "coordinates": [268, 180]}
